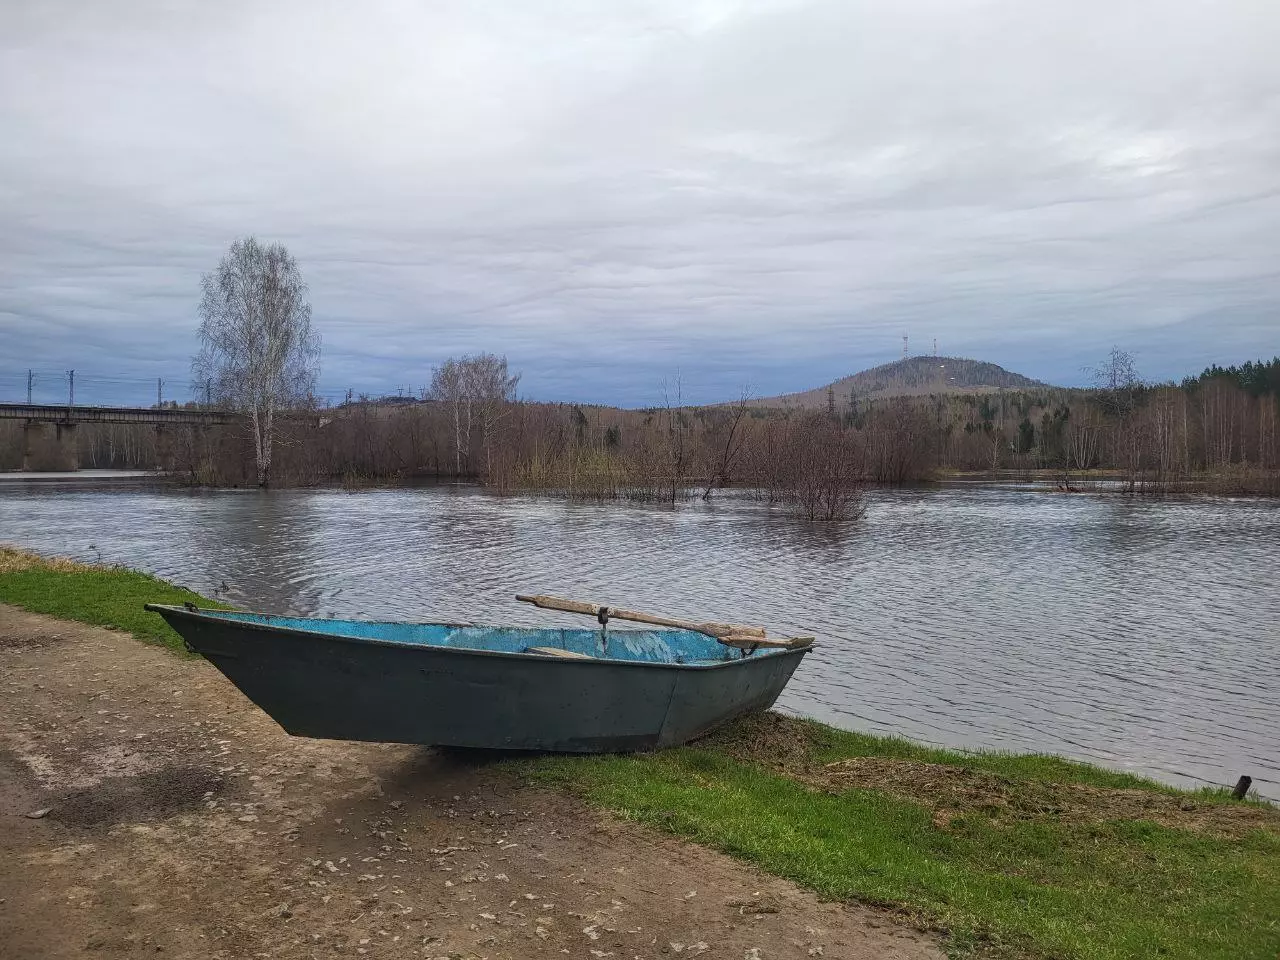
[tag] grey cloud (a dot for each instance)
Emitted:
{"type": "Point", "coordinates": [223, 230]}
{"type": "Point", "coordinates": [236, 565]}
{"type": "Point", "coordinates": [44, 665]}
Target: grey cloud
{"type": "Point", "coordinates": [768, 193]}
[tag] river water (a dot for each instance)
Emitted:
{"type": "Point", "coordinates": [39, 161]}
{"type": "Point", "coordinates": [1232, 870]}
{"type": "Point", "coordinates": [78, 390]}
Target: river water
{"type": "Point", "coordinates": [1142, 635]}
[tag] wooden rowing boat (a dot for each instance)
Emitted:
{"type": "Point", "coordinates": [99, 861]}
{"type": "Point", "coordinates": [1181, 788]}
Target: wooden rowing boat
{"type": "Point", "coordinates": [573, 690]}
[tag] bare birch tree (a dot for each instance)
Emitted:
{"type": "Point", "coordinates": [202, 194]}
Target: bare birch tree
{"type": "Point", "coordinates": [1082, 440]}
{"type": "Point", "coordinates": [490, 388]}
{"type": "Point", "coordinates": [448, 385]}
{"type": "Point", "coordinates": [1118, 385]}
{"type": "Point", "coordinates": [258, 353]}
{"type": "Point", "coordinates": [481, 382]}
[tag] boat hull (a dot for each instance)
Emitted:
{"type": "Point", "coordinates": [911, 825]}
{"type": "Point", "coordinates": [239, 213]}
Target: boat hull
{"type": "Point", "coordinates": [332, 687]}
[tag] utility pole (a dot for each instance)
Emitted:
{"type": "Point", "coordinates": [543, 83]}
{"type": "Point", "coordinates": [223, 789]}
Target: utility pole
{"type": "Point", "coordinates": [159, 393]}
{"type": "Point", "coordinates": [31, 378]}
{"type": "Point", "coordinates": [935, 346]}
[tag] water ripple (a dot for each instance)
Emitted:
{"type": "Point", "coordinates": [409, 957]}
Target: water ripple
{"type": "Point", "coordinates": [1140, 635]}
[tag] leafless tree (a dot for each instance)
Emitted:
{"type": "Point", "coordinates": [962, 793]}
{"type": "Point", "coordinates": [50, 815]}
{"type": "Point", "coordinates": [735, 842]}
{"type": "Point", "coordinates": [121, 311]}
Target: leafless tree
{"type": "Point", "coordinates": [1118, 387]}
{"type": "Point", "coordinates": [1082, 440]}
{"type": "Point", "coordinates": [1161, 436]}
{"type": "Point", "coordinates": [732, 445]}
{"type": "Point", "coordinates": [468, 384]}
{"type": "Point", "coordinates": [897, 440]}
{"type": "Point", "coordinates": [491, 388]}
{"type": "Point", "coordinates": [258, 352]}
{"type": "Point", "coordinates": [998, 443]}
{"type": "Point", "coordinates": [826, 471]}
{"type": "Point", "coordinates": [676, 420]}
{"type": "Point", "coordinates": [448, 385]}
{"type": "Point", "coordinates": [1116, 376]}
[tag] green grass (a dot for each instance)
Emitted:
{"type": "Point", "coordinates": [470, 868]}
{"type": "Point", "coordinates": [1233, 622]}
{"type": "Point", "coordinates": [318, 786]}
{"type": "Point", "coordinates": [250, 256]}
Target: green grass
{"type": "Point", "coordinates": [827, 744]}
{"type": "Point", "coordinates": [1041, 887]}
{"type": "Point", "coordinates": [103, 596]}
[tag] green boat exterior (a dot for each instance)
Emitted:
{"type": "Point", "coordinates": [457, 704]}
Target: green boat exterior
{"type": "Point", "coordinates": [460, 685]}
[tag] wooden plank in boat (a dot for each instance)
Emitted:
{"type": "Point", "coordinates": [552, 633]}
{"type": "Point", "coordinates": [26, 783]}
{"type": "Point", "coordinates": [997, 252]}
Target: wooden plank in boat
{"type": "Point", "coordinates": [559, 652]}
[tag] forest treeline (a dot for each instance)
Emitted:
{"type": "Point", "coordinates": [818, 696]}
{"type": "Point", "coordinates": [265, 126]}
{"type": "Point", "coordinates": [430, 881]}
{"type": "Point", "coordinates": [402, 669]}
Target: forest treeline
{"type": "Point", "coordinates": [1218, 431]}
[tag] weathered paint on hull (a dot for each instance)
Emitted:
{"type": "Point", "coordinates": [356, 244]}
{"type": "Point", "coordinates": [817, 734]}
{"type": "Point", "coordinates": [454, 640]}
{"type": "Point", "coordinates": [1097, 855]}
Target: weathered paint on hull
{"type": "Point", "coordinates": [344, 689]}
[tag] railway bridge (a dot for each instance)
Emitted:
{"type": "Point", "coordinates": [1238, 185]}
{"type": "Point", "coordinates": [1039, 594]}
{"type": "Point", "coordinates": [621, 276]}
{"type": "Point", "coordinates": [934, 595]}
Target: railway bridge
{"type": "Point", "coordinates": [38, 419]}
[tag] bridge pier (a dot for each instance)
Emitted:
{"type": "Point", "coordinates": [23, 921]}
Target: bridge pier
{"type": "Point", "coordinates": [40, 451]}
{"type": "Point", "coordinates": [29, 427]}
{"type": "Point", "coordinates": [67, 453]}
{"type": "Point", "coordinates": [164, 447]}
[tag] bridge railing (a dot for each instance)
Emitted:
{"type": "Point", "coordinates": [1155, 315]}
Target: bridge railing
{"type": "Point", "coordinates": [65, 413]}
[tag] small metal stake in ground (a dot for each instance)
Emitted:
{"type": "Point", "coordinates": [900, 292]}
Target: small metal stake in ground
{"type": "Point", "coordinates": [1242, 787]}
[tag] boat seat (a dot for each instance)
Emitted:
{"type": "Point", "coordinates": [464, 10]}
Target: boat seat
{"type": "Point", "coordinates": [559, 652]}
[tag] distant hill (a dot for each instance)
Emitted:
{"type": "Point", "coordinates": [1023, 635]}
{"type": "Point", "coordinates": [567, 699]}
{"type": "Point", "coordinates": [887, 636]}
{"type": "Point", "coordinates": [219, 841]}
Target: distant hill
{"type": "Point", "coordinates": [913, 376]}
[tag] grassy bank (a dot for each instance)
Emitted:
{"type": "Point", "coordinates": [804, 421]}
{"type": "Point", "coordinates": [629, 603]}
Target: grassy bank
{"type": "Point", "coordinates": [105, 596]}
{"type": "Point", "coordinates": [1007, 856]}
{"type": "Point", "coordinates": [1010, 856]}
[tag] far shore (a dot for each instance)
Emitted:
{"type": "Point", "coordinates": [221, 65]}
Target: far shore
{"type": "Point", "coordinates": [1098, 481]}
{"type": "Point", "coordinates": [93, 475]}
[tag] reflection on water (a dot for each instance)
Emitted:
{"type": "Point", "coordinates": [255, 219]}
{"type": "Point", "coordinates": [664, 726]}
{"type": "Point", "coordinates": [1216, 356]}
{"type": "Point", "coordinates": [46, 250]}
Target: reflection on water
{"type": "Point", "coordinates": [1142, 635]}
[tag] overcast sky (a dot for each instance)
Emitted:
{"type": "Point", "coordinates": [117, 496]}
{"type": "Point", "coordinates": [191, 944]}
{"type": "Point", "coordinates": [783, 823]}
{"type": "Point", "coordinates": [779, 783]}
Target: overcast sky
{"type": "Point", "coordinates": [767, 194]}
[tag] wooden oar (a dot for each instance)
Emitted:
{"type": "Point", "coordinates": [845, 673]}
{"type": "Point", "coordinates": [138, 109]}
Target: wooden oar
{"type": "Point", "coordinates": [751, 642]}
{"type": "Point", "coordinates": [730, 634]}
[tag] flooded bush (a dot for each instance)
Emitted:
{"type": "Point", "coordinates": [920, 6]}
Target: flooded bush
{"type": "Point", "coordinates": [825, 471]}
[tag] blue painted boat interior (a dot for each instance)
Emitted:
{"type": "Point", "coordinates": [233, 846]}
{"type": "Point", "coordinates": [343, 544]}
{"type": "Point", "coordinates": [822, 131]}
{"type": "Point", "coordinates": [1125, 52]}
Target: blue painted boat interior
{"type": "Point", "coordinates": [645, 646]}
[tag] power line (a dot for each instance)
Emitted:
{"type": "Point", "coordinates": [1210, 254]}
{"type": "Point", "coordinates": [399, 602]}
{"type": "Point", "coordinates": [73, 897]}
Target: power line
{"type": "Point", "coordinates": [114, 389]}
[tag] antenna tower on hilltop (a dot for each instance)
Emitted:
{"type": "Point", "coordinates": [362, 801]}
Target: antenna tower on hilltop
{"type": "Point", "coordinates": [904, 346]}
{"type": "Point", "coordinates": [935, 346]}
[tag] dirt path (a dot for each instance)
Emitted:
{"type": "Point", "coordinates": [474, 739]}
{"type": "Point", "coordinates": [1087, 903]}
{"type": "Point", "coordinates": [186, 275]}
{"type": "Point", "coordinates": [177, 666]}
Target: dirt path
{"type": "Point", "coordinates": [184, 823]}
